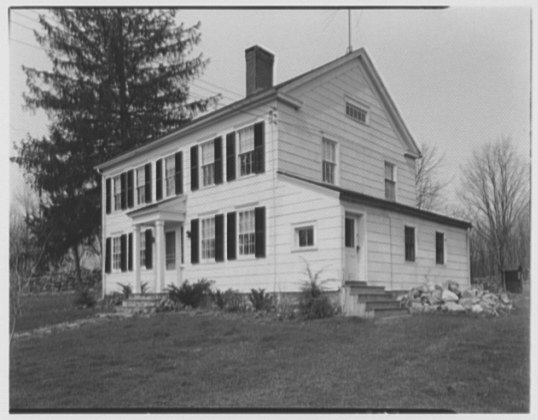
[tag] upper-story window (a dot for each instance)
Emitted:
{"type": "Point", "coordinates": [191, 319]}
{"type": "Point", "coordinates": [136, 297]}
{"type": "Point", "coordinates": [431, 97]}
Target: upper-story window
{"type": "Point", "coordinates": [140, 185]}
{"type": "Point", "coordinates": [356, 113]}
{"type": "Point", "coordinates": [390, 181]}
{"type": "Point", "coordinates": [208, 162]}
{"type": "Point", "coordinates": [170, 175]}
{"type": "Point", "coordinates": [246, 150]}
{"type": "Point", "coordinates": [117, 192]}
{"type": "Point", "coordinates": [328, 161]}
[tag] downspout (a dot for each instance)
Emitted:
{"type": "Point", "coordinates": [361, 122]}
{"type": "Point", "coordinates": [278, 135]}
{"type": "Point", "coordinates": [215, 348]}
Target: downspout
{"type": "Point", "coordinates": [390, 245]}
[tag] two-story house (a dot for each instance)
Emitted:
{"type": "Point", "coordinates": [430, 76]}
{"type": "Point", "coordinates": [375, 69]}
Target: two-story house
{"type": "Point", "coordinates": [319, 169]}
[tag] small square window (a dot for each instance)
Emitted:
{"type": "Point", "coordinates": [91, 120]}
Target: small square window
{"type": "Point", "coordinates": [304, 236]}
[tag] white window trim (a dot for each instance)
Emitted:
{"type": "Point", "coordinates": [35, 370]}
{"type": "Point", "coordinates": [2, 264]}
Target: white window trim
{"type": "Point", "coordinates": [201, 185]}
{"type": "Point", "coordinates": [202, 258]}
{"type": "Point", "coordinates": [113, 269]}
{"type": "Point", "coordinates": [135, 193]}
{"type": "Point", "coordinates": [164, 177]}
{"type": "Point", "coordinates": [444, 248]}
{"type": "Point", "coordinates": [336, 163]}
{"type": "Point", "coordinates": [114, 209]}
{"type": "Point", "coordinates": [240, 256]}
{"type": "Point", "coordinates": [237, 152]}
{"type": "Point", "coordinates": [415, 231]}
{"type": "Point", "coordinates": [295, 238]}
{"type": "Point", "coordinates": [394, 176]}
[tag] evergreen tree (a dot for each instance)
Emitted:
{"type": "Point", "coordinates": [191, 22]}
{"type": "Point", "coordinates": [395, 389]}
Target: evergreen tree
{"type": "Point", "coordinates": [120, 77]}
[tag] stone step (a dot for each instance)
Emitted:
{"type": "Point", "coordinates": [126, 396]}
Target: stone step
{"type": "Point", "coordinates": [381, 313]}
{"type": "Point", "coordinates": [396, 293]}
{"type": "Point", "coordinates": [382, 304]}
{"type": "Point", "coordinates": [147, 296]}
{"type": "Point", "coordinates": [139, 303]}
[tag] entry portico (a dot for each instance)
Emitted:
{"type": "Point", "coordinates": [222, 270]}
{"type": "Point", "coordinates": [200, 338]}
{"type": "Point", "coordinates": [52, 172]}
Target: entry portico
{"type": "Point", "coordinates": [164, 217]}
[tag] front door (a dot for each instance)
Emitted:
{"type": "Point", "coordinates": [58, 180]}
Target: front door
{"type": "Point", "coordinates": [352, 248]}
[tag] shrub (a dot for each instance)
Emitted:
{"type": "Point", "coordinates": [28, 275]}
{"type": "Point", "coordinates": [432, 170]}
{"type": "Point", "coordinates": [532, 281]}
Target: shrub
{"type": "Point", "coordinates": [286, 309]}
{"type": "Point", "coordinates": [313, 303]}
{"type": "Point", "coordinates": [84, 299]}
{"type": "Point", "coordinates": [126, 290]}
{"type": "Point", "coordinates": [230, 301]}
{"type": "Point", "coordinates": [192, 295]}
{"type": "Point", "coordinates": [260, 300]}
{"type": "Point", "coordinates": [144, 288]}
{"type": "Point", "coordinates": [166, 304]}
{"type": "Point", "coordinates": [112, 299]}
{"type": "Point", "coordinates": [218, 299]}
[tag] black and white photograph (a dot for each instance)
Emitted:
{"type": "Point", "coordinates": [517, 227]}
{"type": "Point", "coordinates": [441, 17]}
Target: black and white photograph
{"type": "Point", "coordinates": [269, 209]}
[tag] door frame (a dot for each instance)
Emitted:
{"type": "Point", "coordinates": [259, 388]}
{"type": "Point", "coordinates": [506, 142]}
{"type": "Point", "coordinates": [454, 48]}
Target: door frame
{"type": "Point", "coordinates": [360, 223]}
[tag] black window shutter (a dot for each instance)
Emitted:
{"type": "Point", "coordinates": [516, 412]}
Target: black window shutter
{"type": "Point", "coordinates": [159, 179]}
{"type": "Point", "coordinates": [230, 156]}
{"type": "Point", "coordinates": [123, 256]}
{"type": "Point", "coordinates": [195, 257]}
{"type": "Point", "coordinates": [107, 255]}
{"type": "Point", "coordinates": [219, 237]}
{"type": "Point", "coordinates": [147, 170]}
{"type": "Point", "coordinates": [179, 173]}
{"type": "Point", "coordinates": [259, 216]}
{"type": "Point", "coordinates": [231, 235]}
{"type": "Point", "coordinates": [218, 160]}
{"type": "Point", "coordinates": [130, 253]}
{"type": "Point", "coordinates": [149, 249]}
{"type": "Point", "coordinates": [259, 148]}
{"type": "Point", "coordinates": [108, 187]}
{"type": "Point", "coordinates": [194, 168]}
{"type": "Point", "coordinates": [130, 188]}
{"type": "Point", "coordinates": [123, 180]}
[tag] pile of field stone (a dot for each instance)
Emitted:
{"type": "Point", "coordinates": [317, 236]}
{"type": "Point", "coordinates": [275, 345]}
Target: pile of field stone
{"type": "Point", "coordinates": [449, 297]}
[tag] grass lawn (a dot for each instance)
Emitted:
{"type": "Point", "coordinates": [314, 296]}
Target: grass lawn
{"type": "Point", "coordinates": [176, 360]}
{"type": "Point", "coordinates": [42, 310]}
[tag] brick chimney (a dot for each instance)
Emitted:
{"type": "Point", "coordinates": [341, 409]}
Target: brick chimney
{"type": "Point", "coordinates": [259, 69]}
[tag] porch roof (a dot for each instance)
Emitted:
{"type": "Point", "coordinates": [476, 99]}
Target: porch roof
{"type": "Point", "coordinates": [359, 198]}
{"type": "Point", "coordinates": [169, 210]}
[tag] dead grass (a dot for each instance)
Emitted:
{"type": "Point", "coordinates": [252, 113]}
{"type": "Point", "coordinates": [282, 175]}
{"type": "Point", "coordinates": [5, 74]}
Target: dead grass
{"type": "Point", "coordinates": [180, 361]}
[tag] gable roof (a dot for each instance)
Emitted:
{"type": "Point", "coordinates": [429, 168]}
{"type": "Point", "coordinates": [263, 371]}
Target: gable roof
{"type": "Point", "coordinates": [281, 92]}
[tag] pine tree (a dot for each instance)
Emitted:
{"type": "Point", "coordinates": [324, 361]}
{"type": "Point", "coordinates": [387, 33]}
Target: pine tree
{"type": "Point", "coordinates": [120, 77]}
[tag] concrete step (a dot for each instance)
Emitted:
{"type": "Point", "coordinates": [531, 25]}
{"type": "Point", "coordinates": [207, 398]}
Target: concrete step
{"type": "Point", "coordinates": [383, 305]}
{"type": "Point", "coordinates": [147, 296]}
{"type": "Point", "coordinates": [381, 313]}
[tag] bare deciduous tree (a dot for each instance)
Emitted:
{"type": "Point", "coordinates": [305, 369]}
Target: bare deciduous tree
{"type": "Point", "coordinates": [496, 195]}
{"type": "Point", "coordinates": [427, 182]}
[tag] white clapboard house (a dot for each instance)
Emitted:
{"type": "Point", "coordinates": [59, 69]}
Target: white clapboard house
{"type": "Point", "coordinates": [317, 170]}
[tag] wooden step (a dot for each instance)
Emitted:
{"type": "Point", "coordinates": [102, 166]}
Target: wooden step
{"type": "Point", "coordinates": [366, 290]}
{"type": "Point", "coordinates": [375, 297]}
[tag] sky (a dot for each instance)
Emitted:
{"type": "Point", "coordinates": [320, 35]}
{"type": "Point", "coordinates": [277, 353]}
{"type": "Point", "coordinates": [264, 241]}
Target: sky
{"type": "Point", "coordinates": [460, 77]}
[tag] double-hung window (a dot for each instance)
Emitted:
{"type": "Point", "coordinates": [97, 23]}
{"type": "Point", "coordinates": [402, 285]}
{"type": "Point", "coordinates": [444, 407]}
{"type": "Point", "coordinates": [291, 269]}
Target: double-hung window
{"type": "Point", "coordinates": [208, 238]}
{"type": "Point", "coordinates": [208, 163]}
{"type": "Point", "coordinates": [328, 161]}
{"type": "Point", "coordinates": [409, 233]}
{"type": "Point", "coordinates": [170, 175]}
{"type": "Point", "coordinates": [390, 181]}
{"type": "Point", "coordinates": [140, 185]}
{"type": "Point", "coordinates": [439, 248]}
{"type": "Point", "coordinates": [247, 232]}
{"type": "Point", "coordinates": [142, 249]}
{"type": "Point", "coordinates": [117, 192]}
{"type": "Point", "coordinates": [116, 253]}
{"type": "Point", "coordinates": [170, 245]}
{"type": "Point", "coordinates": [246, 150]}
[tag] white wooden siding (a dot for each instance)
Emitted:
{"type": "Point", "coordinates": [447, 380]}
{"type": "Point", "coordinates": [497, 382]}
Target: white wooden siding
{"type": "Point", "coordinates": [363, 148]}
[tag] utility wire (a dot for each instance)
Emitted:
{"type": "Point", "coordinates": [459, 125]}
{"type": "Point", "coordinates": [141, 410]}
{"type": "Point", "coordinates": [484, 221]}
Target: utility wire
{"type": "Point", "coordinates": [23, 26]}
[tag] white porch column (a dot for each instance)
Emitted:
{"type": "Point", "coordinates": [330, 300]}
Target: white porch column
{"type": "Point", "coordinates": [178, 255]}
{"type": "Point", "coordinates": [136, 257]}
{"type": "Point", "coordinates": [160, 259]}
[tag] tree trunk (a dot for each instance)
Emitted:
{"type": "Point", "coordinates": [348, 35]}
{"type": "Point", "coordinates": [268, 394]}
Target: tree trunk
{"type": "Point", "coordinates": [77, 266]}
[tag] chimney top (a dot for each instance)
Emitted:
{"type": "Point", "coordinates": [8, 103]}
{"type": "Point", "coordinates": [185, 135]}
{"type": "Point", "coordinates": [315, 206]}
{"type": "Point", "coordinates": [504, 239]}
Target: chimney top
{"type": "Point", "coordinates": [259, 63]}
